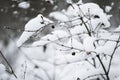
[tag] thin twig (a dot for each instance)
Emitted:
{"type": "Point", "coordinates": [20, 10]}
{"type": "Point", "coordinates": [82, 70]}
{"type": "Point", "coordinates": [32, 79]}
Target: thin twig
{"type": "Point", "coordinates": [12, 71]}
{"type": "Point", "coordinates": [103, 66]}
{"type": "Point", "coordinates": [89, 33]}
{"type": "Point", "coordinates": [93, 76]}
{"type": "Point", "coordinates": [25, 70]}
{"type": "Point", "coordinates": [112, 56]}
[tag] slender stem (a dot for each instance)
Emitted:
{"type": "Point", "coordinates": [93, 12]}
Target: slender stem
{"type": "Point", "coordinates": [89, 33]}
{"type": "Point", "coordinates": [113, 55]}
{"type": "Point", "coordinates": [81, 18]}
{"type": "Point", "coordinates": [25, 70]}
{"type": "Point", "coordinates": [12, 71]}
{"type": "Point", "coordinates": [103, 67]}
{"type": "Point", "coordinates": [93, 76]}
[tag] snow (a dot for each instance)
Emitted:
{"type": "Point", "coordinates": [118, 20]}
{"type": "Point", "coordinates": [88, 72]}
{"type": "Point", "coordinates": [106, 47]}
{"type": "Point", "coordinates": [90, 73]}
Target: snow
{"type": "Point", "coordinates": [69, 53]}
{"type": "Point", "coordinates": [80, 70]}
{"type": "Point", "coordinates": [88, 10]}
{"type": "Point", "coordinates": [88, 44]}
{"type": "Point", "coordinates": [55, 35]}
{"type": "Point", "coordinates": [108, 46]}
{"type": "Point", "coordinates": [24, 5]}
{"type": "Point", "coordinates": [15, 12]}
{"type": "Point", "coordinates": [3, 74]}
{"type": "Point", "coordinates": [69, 1]}
{"type": "Point", "coordinates": [117, 78]}
{"type": "Point", "coordinates": [117, 29]}
{"type": "Point", "coordinates": [32, 27]}
{"type": "Point", "coordinates": [108, 8]}
{"type": "Point", "coordinates": [92, 6]}
{"type": "Point", "coordinates": [2, 68]}
{"type": "Point", "coordinates": [60, 33]}
{"type": "Point", "coordinates": [59, 16]}
{"type": "Point", "coordinates": [112, 3]}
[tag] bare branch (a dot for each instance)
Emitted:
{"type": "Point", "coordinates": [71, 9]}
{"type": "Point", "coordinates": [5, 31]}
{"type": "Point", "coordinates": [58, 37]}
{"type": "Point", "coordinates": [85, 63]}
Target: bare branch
{"type": "Point", "coordinates": [12, 71]}
{"type": "Point", "coordinates": [112, 56]}
{"type": "Point", "coordinates": [103, 66]}
{"type": "Point", "coordinates": [95, 75]}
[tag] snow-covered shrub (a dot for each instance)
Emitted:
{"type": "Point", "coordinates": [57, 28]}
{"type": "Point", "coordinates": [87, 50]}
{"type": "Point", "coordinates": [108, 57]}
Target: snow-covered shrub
{"type": "Point", "coordinates": [78, 47]}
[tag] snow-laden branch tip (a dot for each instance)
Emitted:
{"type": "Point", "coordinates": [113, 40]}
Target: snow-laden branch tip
{"type": "Point", "coordinates": [88, 10]}
{"type": "Point", "coordinates": [32, 27]}
{"type": "Point", "coordinates": [59, 16]}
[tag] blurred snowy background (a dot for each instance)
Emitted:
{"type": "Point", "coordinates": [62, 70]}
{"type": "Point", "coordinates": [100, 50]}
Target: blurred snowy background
{"type": "Point", "coordinates": [65, 50]}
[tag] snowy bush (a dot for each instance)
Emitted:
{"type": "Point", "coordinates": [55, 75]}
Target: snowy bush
{"type": "Point", "coordinates": [79, 45]}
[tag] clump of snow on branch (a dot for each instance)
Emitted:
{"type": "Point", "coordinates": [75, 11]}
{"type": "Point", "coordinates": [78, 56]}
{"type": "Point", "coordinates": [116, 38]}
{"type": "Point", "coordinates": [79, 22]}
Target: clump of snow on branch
{"type": "Point", "coordinates": [59, 16]}
{"type": "Point", "coordinates": [108, 8]}
{"type": "Point", "coordinates": [33, 27]}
